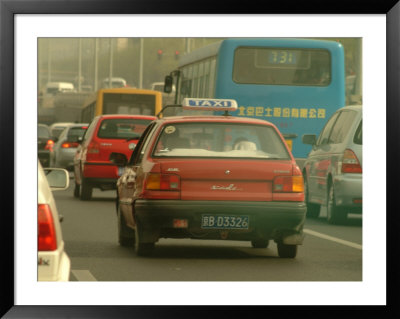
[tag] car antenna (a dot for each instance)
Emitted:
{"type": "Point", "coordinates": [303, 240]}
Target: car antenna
{"type": "Point", "coordinates": [167, 106]}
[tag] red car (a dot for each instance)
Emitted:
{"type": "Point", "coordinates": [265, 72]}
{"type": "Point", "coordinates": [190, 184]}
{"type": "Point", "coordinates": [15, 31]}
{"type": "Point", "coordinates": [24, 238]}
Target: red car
{"type": "Point", "coordinates": [211, 177]}
{"type": "Point", "coordinates": [106, 134]}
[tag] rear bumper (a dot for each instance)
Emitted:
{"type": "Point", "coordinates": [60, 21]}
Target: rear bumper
{"type": "Point", "coordinates": [267, 220]}
{"type": "Point", "coordinates": [54, 265]}
{"type": "Point", "coordinates": [348, 191]}
{"type": "Point", "coordinates": [100, 169]}
{"type": "Point", "coordinates": [65, 158]}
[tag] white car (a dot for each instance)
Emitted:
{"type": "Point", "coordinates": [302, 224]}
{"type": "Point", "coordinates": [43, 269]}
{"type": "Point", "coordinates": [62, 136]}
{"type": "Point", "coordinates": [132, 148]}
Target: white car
{"type": "Point", "coordinates": [53, 262]}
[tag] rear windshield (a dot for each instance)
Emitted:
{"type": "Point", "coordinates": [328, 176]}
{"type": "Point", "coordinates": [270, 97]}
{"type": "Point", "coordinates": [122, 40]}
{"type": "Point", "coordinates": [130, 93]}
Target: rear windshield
{"type": "Point", "coordinates": [75, 132]}
{"type": "Point", "coordinates": [220, 140]}
{"type": "Point", "coordinates": [52, 90]}
{"type": "Point", "coordinates": [158, 87]}
{"type": "Point", "coordinates": [43, 132]}
{"type": "Point", "coordinates": [56, 131]}
{"type": "Point", "coordinates": [122, 128]}
{"type": "Point", "coordinates": [358, 135]}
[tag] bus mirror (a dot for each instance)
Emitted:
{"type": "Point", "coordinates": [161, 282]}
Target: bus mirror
{"type": "Point", "coordinates": [309, 139]}
{"type": "Point", "coordinates": [168, 84]}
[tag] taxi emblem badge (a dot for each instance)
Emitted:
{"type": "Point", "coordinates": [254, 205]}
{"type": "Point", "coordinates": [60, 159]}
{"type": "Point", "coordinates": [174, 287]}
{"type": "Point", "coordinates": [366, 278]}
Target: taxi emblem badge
{"type": "Point", "coordinates": [227, 172]}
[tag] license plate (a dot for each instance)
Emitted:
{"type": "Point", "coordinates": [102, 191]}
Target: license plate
{"type": "Point", "coordinates": [121, 170]}
{"type": "Point", "coordinates": [224, 222]}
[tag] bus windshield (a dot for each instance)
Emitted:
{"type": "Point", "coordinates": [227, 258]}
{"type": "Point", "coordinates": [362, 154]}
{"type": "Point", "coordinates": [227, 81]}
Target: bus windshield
{"type": "Point", "coordinates": [141, 104]}
{"type": "Point", "coordinates": [121, 101]}
{"type": "Point", "coordinates": [282, 66]}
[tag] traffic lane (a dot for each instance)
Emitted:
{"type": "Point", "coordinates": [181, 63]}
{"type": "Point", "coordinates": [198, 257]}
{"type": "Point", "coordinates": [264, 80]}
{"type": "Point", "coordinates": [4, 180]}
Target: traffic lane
{"type": "Point", "coordinates": [90, 235]}
{"type": "Point", "coordinates": [194, 260]}
{"type": "Point", "coordinates": [350, 230]}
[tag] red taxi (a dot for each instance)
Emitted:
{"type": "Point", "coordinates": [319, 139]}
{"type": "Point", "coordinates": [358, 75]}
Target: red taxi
{"type": "Point", "coordinates": [211, 177]}
{"type": "Point", "coordinates": [106, 134]}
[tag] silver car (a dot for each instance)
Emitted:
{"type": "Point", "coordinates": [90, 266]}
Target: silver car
{"type": "Point", "coordinates": [57, 128]}
{"type": "Point", "coordinates": [65, 148]}
{"type": "Point", "coordinates": [333, 169]}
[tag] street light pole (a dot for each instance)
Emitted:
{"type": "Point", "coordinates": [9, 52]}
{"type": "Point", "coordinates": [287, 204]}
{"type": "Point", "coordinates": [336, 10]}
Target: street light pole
{"type": "Point", "coordinates": [141, 63]}
{"type": "Point", "coordinates": [187, 45]}
{"type": "Point", "coordinates": [111, 62]}
{"type": "Point", "coordinates": [49, 61]}
{"type": "Point", "coordinates": [96, 62]}
{"type": "Point", "coordinates": [80, 64]}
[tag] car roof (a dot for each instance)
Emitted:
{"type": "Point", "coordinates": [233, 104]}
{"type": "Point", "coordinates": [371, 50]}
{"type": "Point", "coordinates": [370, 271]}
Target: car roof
{"type": "Point", "coordinates": [352, 107]}
{"type": "Point", "coordinates": [114, 79]}
{"type": "Point", "coordinates": [61, 124]}
{"type": "Point", "coordinates": [214, 118]}
{"type": "Point", "coordinates": [126, 116]}
{"type": "Point", "coordinates": [78, 125]}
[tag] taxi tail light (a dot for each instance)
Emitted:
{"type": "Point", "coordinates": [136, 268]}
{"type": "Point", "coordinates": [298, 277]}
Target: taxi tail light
{"type": "Point", "coordinates": [47, 240]}
{"type": "Point", "coordinates": [165, 182]}
{"type": "Point", "coordinates": [49, 145]}
{"type": "Point", "coordinates": [350, 163]}
{"type": "Point", "coordinates": [288, 184]}
{"type": "Point", "coordinates": [69, 145]}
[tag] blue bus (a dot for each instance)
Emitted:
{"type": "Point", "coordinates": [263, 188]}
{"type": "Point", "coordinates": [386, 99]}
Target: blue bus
{"type": "Point", "coordinates": [294, 83]}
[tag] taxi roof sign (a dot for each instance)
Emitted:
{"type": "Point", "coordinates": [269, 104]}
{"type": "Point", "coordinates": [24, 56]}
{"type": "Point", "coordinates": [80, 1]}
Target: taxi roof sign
{"type": "Point", "coordinates": [209, 104]}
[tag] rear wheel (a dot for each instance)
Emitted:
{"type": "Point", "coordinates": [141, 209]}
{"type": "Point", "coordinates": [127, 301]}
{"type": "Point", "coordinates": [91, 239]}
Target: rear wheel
{"type": "Point", "coordinates": [141, 248]}
{"type": "Point", "coordinates": [312, 209]}
{"type": "Point", "coordinates": [287, 251]}
{"type": "Point", "coordinates": [76, 190]}
{"type": "Point", "coordinates": [334, 214]}
{"type": "Point", "coordinates": [126, 235]}
{"type": "Point", "coordinates": [260, 243]}
{"type": "Point", "coordinates": [85, 190]}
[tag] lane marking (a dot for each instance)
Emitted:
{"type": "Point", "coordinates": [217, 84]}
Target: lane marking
{"type": "Point", "coordinates": [83, 275]}
{"type": "Point", "coordinates": [337, 240]}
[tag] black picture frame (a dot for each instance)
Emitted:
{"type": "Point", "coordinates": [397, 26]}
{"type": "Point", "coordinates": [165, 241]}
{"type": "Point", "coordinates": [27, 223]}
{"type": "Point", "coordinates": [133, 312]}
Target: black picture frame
{"type": "Point", "coordinates": [10, 8]}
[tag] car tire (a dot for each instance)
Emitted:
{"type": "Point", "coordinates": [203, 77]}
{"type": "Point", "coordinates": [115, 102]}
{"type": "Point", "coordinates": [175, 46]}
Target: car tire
{"type": "Point", "coordinates": [85, 190]}
{"type": "Point", "coordinates": [126, 235]}
{"type": "Point", "coordinates": [76, 190]}
{"type": "Point", "coordinates": [287, 251]}
{"type": "Point", "coordinates": [312, 209]}
{"type": "Point", "coordinates": [141, 248]}
{"type": "Point", "coordinates": [334, 214]}
{"type": "Point", "coordinates": [260, 243]}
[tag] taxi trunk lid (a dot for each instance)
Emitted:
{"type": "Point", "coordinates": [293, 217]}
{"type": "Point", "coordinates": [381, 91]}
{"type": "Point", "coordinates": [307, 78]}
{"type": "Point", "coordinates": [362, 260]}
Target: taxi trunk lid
{"type": "Point", "coordinates": [226, 179]}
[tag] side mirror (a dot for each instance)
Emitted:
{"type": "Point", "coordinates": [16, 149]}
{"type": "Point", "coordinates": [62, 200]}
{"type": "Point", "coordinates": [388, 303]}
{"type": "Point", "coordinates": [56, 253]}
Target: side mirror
{"type": "Point", "coordinates": [58, 178]}
{"type": "Point", "coordinates": [118, 159]}
{"type": "Point", "coordinates": [79, 139]}
{"type": "Point", "coordinates": [310, 139]}
{"type": "Point", "coordinates": [168, 84]}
